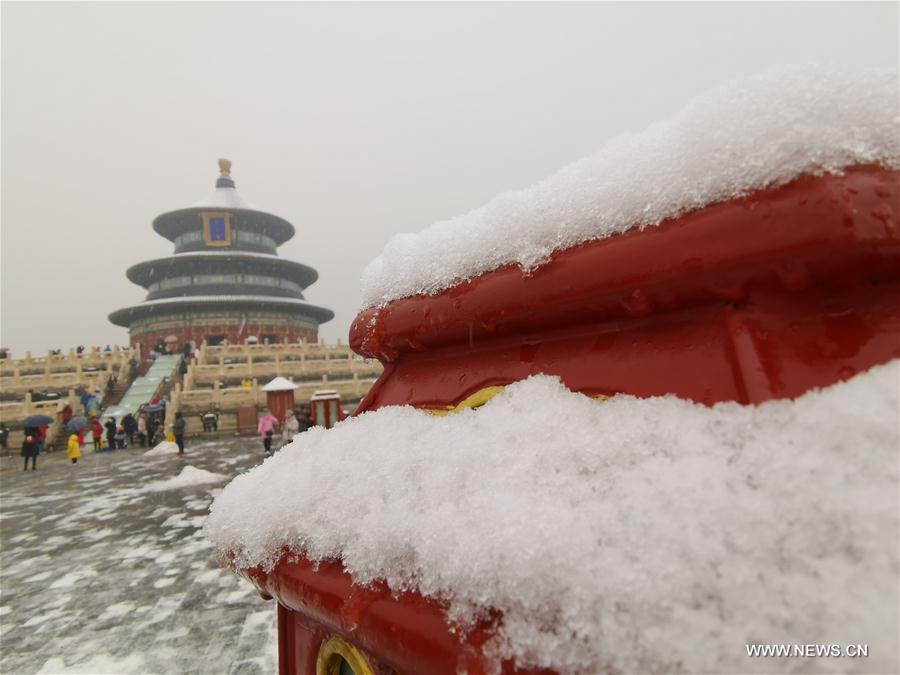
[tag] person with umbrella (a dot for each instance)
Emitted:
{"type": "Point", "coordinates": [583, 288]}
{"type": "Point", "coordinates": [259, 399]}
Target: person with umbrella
{"type": "Point", "coordinates": [36, 427]}
{"type": "Point", "coordinates": [76, 426]}
{"type": "Point", "coordinates": [30, 448]}
{"type": "Point", "coordinates": [36, 422]}
{"type": "Point", "coordinates": [153, 422]}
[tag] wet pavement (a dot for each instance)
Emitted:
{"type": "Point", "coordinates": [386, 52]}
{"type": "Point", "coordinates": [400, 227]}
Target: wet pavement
{"type": "Point", "coordinates": [104, 567]}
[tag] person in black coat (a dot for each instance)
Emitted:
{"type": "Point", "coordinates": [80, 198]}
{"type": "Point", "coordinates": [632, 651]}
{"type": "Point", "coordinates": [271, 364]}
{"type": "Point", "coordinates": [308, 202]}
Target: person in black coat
{"type": "Point", "coordinates": [111, 432]}
{"type": "Point", "coordinates": [30, 449]}
{"type": "Point", "coordinates": [303, 420]}
{"type": "Point", "coordinates": [178, 429]}
{"type": "Point", "coordinates": [129, 425]}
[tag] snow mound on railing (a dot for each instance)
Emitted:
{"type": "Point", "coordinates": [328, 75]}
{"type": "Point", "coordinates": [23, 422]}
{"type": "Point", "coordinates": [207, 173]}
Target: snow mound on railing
{"type": "Point", "coordinates": [636, 535]}
{"type": "Point", "coordinates": [753, 134]}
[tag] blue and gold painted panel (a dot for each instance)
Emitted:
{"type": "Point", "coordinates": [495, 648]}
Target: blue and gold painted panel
{"type": "Point", "coordinates": [216, 228]}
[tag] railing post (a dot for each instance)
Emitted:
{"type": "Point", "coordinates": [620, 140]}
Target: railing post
{"type": "Point", "coordinates": [28, 403]}
{"type": "Point", "coordinates": [174, 404]}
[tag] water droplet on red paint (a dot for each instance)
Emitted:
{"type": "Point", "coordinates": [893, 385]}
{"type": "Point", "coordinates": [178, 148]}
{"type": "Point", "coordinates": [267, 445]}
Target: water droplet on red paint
{"type": "Point", "coordinates": [638, 303]}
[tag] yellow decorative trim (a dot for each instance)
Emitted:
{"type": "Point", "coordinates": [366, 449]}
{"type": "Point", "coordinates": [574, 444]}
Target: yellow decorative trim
{"type": "Point", "coordinates": [207, 234]}
{"type": "Point", "coordinates": [224, 168]}
{"type": "Point", "coordinates": [479, 398]}
{"type": "Point", "coordinates": [335, 649]}
{"type": "Point", "coordinates": [476, 400]}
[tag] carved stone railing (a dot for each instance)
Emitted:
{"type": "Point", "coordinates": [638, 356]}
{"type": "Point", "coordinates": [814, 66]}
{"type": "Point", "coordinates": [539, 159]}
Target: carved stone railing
{"type": "Point", "coordinates": [58, 372]}
{"type": "Point", "coordinates": [230, 398]}
{"type": "Point", "coordinates": [67, 363]}
{"type": "Point", "coordinates": [13, 412]}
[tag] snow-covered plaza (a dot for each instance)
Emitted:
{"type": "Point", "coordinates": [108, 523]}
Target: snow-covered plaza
{"type": "Point", "coordinates": [105, 569]}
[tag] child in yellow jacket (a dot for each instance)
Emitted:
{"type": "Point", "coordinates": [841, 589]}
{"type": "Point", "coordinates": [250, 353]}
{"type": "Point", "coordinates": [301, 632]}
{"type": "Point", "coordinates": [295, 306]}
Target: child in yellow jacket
{"type": "Point", "coordinates": [73, 450]}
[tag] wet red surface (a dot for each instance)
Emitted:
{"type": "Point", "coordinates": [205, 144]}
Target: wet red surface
{"type": "Point", "coordinates": [756, 298]}
{"type": "Point", "coordinates": [748, 300]}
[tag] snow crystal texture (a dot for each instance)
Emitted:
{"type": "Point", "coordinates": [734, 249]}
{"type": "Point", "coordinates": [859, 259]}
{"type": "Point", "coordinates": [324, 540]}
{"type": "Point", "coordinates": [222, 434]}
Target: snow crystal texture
{"type": "Point", "coordinates": [636, 535]}
{"type": "Point", "coordinates": [753, 134]}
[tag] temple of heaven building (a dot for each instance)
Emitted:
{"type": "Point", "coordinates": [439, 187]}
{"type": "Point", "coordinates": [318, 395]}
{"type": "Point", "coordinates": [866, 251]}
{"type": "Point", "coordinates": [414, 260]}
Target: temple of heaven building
{"type": "Point", "coordinates": [225, 281]}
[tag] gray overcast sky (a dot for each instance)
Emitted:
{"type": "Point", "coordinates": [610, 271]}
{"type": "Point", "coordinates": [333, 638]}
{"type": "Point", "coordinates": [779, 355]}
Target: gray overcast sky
{"type": "Point", "coordinates": [352, 121]}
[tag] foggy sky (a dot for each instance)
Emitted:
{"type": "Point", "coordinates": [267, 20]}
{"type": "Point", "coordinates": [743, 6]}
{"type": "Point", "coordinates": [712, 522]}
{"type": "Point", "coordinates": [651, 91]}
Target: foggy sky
{"type": "Point", "coordinates": [352, 121]}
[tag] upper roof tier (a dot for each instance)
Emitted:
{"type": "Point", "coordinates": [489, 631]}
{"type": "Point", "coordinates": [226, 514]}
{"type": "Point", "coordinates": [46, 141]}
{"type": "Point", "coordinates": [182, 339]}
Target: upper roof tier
{"type": "Point", "coordinates": [261, 231]}
{"type": "Point", "coordinates": [228, 261]}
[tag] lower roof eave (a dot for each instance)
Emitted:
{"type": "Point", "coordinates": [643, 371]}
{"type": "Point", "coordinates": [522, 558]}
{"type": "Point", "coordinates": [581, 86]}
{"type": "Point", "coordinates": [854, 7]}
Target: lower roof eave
{"type": "Point", "coordinates": [126, 316]}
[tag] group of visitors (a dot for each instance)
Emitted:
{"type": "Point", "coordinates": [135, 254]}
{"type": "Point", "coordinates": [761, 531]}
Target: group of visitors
{"type": "Point", "coordinates": [189, 350]}
{"type": "Point", "coordinates": [295, 422]}
{"type": "Point", "coordinates": [109, 435]}
{"type": "Point", "coordinates": [81, 349]}
{"type": "Point", "coordinates": [91, 402]}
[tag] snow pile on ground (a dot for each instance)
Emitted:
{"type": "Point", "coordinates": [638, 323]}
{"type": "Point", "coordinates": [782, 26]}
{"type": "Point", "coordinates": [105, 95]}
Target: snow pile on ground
{"type": "Point", "coordinates": [189, 476]}
{"type": "Point", "coordinates": [750, 135]}
{"type": "Point", "coordinates": [636, 535]}
{"type": "Point", "coordinates": [163, 448]}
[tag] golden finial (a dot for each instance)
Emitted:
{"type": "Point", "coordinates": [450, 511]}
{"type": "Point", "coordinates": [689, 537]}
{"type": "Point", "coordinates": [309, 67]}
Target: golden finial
{"type": "Point", "coordinates": [224, 168]}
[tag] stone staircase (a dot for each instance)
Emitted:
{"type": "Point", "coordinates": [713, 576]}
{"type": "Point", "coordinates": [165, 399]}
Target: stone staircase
{"type": "Point", "coordinates": [145, 387]}
{"type": "Point", "coordinates": [118, 392]}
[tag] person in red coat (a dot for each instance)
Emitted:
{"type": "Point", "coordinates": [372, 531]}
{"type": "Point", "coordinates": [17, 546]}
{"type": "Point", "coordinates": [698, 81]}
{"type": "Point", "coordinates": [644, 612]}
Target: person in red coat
{"type": "Point", "coordinates": [96, 433]}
